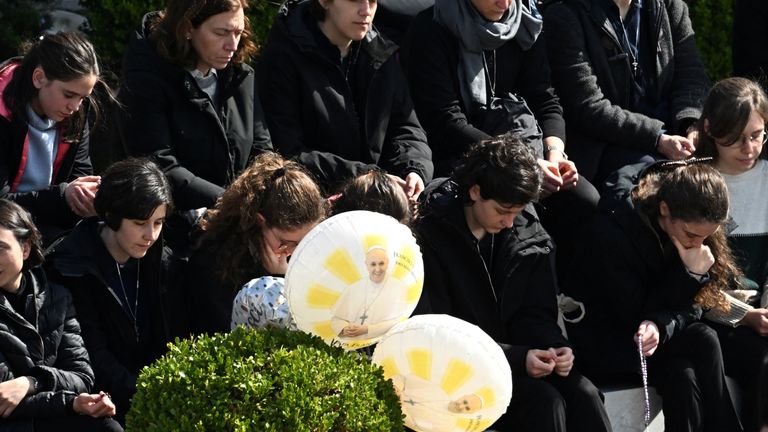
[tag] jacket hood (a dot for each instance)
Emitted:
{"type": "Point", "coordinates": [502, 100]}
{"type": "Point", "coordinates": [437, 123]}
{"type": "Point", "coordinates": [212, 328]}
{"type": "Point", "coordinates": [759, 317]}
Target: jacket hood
{"type": "Point", "coordinates": [293, 20]}
{"type": "Point", "coordinates": [443, 197]}
{"type": "Point", "coordinates": [7, 69]}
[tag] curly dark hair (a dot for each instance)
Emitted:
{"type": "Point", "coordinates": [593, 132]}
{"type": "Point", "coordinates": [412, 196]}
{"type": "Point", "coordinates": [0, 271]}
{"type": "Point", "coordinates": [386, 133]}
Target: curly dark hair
{"type": "Point", "coordinates": [280, 191]}
{"type": "Point", "coordinates": [505, 169]}
{"type": "Point", "coordinates": [694, 192]}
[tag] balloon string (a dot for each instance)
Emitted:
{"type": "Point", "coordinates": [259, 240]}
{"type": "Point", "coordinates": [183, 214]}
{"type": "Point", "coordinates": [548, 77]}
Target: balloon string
{"type": "Point", "coordinates": [644, 371]}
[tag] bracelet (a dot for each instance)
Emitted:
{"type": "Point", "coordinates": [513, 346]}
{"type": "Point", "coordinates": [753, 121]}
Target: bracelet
{"type": "Point", "coordinates": [550, 148]}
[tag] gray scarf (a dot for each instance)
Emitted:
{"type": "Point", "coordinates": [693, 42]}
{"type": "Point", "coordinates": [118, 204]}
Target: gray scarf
{"type": "Point", "coordinates": [476, 34]}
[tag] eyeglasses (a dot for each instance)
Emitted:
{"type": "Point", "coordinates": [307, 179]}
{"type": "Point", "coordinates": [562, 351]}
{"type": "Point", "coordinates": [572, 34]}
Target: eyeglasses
{"type": "Point", "coordinates": [757, 138]}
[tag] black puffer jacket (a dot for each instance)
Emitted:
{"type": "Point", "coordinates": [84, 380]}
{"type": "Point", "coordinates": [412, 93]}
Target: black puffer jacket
{"type": "Point", "coordinates": [80, 263]}
{"type": "Point", "coordinates": [339, 123]}
{"type": "Point", "coordinates": [627, 271]}
{"type": "Point", "coordinates": [51, 351]}
{"type": "Point", "coordinates": [514, 302]}
{"type": "Point", "coordinates": [167, 115]}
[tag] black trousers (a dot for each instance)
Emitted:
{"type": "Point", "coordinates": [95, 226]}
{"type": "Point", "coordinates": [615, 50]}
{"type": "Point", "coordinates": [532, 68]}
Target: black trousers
{"type": "Point", "coordinates": [689, 374]}
{"type": "Point", "coordinates": [554, 404]}
{"type": "Point", "coordinates": [744, 352]}
{"type": "Point", "coordinates": [565, 215]}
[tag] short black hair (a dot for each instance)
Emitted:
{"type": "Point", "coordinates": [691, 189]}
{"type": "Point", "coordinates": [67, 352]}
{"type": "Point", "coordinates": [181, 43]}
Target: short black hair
{"type": "Point", "coordinates": [18, 221]}
{"type": "Point", "coordinates": [131, 189]}
{"type": "Point", "coordinates": [503, 167]}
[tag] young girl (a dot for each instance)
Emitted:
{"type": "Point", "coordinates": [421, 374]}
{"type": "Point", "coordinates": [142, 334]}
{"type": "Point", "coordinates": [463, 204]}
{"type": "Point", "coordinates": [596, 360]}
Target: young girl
{"type": "Point", "coordinates": [121, 276]}
{"type": "Point", "coordinates": [251, 232]}
{"type": "Point", "coordinates": [44, 110]}
{"type": "Point", "coordinates": [653, 258]}
{"type": "Point", "coordinates": [45, 373]}
{"type": "Point", "coordinates": [732, 131]}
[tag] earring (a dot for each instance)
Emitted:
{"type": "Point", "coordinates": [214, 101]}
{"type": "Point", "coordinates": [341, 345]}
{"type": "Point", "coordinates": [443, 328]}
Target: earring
{"type": "Point", "coordinates": [189, 37]}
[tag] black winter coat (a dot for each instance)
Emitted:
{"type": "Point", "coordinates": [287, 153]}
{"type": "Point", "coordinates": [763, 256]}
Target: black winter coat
{"type": "Point", "coordinates": [627, 271]}
{"type": "Point", "coordinates": [593, 77]}
{"type": "Point", "coordinates": [80, 263]}
{"type": "Point", "coordinates": [339, 122]}
{"type": "Point", "coordinates": [48, 206]}
{"type": "Point", "coordinates": [514, 302]}
{"type": "Point", "coordinates": [201, 149]}
{"type": "Point", "coordinates": [51, 351]}
{"type": "Point", "coordinates": [432, 66]}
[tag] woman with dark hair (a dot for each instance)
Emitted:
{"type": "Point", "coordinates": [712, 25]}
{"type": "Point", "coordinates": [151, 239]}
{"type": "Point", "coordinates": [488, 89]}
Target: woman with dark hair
{"type": "Point", "coordinates": [44, 109]}
{"type": "Point", "coordinates": [336, 99]}
{"type": "Point", "coordinates": [45, 374]}
{"type": "Point", "coordinates": [121, 277]}
{"type": "Point", "coordinates": [649, 264]}
{"type": "Point", "coordinates": [373, 191]}
{"type": "Point", "coordinates": [732, 131]}
{"type": "Point", "coordinates": [189, 97]}
{"type": "Point", "coordinates": [254, 228]}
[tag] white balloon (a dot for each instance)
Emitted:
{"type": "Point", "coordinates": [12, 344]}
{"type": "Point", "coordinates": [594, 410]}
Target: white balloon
{"type": "Point", "coordinates": [353, 277]}
{"type": "Point", "coordinates": [450, 375]}
{"type": "Point", "coordinates": [261, 303]}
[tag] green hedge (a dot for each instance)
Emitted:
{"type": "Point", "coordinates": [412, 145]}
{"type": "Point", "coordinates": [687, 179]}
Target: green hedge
{"type": "Point", "coordinates": [263, 380]}
{"type": "Point", "coordinates": [713, 23]}
{"type": "Point", "coordinates": [20, 21]}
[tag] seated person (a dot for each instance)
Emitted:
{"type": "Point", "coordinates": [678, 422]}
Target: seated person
{"type": "Point", "coordinates": [189, 97]}
{"type": "Point", "coordinates": [732, 131]}
{"type": "Point", "coordinates": [45, 374]}
{"type": "Point", "coordinates": [629, 78]}
{"type": "Point", "coordinates": [648, 264]}
{"type": "Point", "coordinates": [45, 165]}
{"type": "Point", "coordinates": [336, 99]}
{"type": "Point", "coordinates": [121, 277]}
{"type": "Point", "coordinates": [373, 191]}
{"type": "Point", "coordinates": [462, 54]}
{"type": "Point", "coordinates": [487, 261]}
{"type": "Point", "coordinates": [254, 228]}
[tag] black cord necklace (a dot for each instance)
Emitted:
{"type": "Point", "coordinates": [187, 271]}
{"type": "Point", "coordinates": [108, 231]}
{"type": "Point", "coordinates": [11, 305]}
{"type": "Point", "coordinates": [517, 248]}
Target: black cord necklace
{"type": "Point", "coordinates": [132, 311]}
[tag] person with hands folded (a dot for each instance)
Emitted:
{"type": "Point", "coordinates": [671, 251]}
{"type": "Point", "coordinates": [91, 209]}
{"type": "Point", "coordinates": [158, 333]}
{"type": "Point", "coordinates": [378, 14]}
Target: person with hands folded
{"type": "Point", "coordinates": [487, 260]}
{"type": "Point", "coordinates": [45, 371]}
{"type": "Point", "coordinates": [650, 264]}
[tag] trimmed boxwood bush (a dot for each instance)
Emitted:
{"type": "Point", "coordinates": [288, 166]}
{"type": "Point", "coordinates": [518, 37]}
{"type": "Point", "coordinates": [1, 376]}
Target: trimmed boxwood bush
{"type": "Point", "coordinates": [262, 380]}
